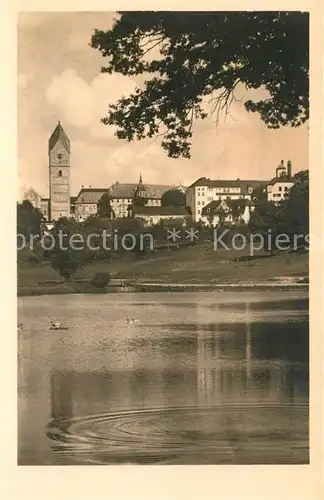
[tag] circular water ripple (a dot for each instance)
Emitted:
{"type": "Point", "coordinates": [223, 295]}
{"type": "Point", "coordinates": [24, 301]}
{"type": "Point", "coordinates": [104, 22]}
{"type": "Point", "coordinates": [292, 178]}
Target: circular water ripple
{"type": "Point", "coordinates": [157, 433]}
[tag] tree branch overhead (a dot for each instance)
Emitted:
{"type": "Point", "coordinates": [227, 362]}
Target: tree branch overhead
{"type": "Point", "coordinates": [197, 54]}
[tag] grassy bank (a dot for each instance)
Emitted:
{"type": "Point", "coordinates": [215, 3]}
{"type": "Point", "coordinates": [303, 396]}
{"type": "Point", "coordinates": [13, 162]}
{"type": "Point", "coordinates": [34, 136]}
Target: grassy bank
{"type": "Point", "coordinates": [198, 264]}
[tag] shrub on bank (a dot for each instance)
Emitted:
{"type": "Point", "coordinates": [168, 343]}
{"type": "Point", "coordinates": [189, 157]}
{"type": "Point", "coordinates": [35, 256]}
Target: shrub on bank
{"type": "Point", "coordinates": [100, 280]}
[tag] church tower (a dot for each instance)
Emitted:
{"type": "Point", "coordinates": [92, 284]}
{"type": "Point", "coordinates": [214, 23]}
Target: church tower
{"type": "Point", "coordinates": [59, 152]}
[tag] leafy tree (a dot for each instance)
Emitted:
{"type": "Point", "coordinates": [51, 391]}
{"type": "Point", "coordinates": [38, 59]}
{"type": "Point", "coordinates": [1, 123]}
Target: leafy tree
{"type": "Point", "coordinates": [302, 176]}
{"type": "Point", "coordinates": [29, 219]}
{"type": "Point", "coordinates": [173, 197]}
{"type": "Point", "coordinates": [210, 218]}
{"type": "Point", "coordinates": [66, 255]}
{"type": "Point", "coordinates": [259, 194]}
{"type": "Point", "coordinates": [264, 216]}
{"type": "Point", "coordinates": [205, 54]}
{"type": "Point", "coordinates": [290, 216]}
{"type": "Point", "coordinates": [265, 220]}
{"type": "Point", "coordinates": [236, 207]}
{"type": "Point", "coordinates": [65, 262]}
{"type": "Point", "coordinates": [296, 207]}
{"type": "Point", "coordinates": [100, 280]}
{"type": "Point", "coordinates": [220, 211]}
{"type": "Point", "coordinates": [104, 206]}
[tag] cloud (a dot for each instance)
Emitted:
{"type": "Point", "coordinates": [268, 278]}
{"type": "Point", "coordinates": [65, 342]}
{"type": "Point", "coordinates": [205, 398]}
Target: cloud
{"type": "Point", "coordinates": [82, 104]}
{"type": "Point", "coordinates": [81, 31]}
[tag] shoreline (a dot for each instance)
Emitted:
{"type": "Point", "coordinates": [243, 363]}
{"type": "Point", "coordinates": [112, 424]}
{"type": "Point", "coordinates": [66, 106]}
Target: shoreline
{"type": "Point", "coordinates": [274, 285]}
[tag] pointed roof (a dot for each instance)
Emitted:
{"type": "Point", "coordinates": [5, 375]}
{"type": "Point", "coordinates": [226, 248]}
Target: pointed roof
{"type": "Point", "coordinates": [140, 187]}
{"type": "Point", "coordinates": [59, 135]}
{"type": "Point", "coordinates": [216, 205]}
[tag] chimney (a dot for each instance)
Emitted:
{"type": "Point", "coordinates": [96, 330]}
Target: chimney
{"type": "Point", "coordinates": [289, 169]}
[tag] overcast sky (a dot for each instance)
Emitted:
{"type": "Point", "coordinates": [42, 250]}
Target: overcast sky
{"type": "Point", "coordinates": [59, 79]}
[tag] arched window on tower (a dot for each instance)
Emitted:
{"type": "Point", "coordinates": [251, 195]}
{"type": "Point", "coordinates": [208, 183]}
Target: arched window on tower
{"type": "Point", "coordinates": [60, 173]}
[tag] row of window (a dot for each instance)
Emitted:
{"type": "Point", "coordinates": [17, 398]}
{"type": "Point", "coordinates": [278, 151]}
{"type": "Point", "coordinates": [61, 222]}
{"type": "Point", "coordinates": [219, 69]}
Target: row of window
{"type": "Point", "coordinates": [209, 199]}
{"type": "Point", "coordinates": [121, 200]}
{"type": "Point", "coordinates": [280, 195]}
{"type": "Point", "coordinates": [152, 201]}
{"type": "Point", "coordinates": [201, 191]}
{"type": "Point", "coordinates": [220, 190]}
{"type": "Point", "coordinates": [129, 201]}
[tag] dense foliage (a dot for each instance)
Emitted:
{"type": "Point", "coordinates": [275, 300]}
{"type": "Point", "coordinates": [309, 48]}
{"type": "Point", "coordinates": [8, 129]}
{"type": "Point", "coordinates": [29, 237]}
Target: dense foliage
{"type": "Point", "coordinates": [63, 256]}
{"type": "Point", "coordinates": [100, 280]}
{"type": "Point", "coordinates": [104, 206]}
{"type": "Point", "coordinates": [130, 238]}
{"type": "Point", "coordinates": [191, 56]}
{"type": "Point", "coordinates": [173, 197]}
{"type": "Point", "coordinates": [290, 217]}
{"type": "Point", "coordinates": [29, 219]}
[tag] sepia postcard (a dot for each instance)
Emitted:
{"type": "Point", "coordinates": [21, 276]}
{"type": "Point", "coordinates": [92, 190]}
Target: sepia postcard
{"type": "Point", "coordinates": [168, 265]}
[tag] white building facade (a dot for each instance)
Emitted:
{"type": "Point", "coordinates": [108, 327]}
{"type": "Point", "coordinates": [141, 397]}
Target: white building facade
{"type": "Point", "coordinates": [204, 191]}
{"type": "Point", "coordinates": [278, 188]}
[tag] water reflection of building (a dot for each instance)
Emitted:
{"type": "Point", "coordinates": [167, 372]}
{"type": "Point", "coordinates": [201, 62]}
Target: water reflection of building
{"type": "Point", "coordinates": [230, 368]}
{"type": "Point", "coordinates": [61, 395]}
{"type": "Point", "coordinates": [206, 363]}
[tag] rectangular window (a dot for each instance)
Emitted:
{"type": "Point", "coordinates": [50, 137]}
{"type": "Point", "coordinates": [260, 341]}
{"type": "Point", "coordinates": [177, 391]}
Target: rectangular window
{"type": "Point", "coordinates": [279, 188]}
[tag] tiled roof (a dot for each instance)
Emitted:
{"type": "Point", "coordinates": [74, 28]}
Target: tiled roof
{"type": "Point", "coordinates": [121, 190]}
{"type": "Point", "coordinates": [241, 183]}
{"type": "Point", "coordinates": [59, 135]}
{"type": "Point", "coordinates": [214, 206]}
{"type": "Point", "coordinates": [90, 195]}
{"type": "Point", "coordinates": [164, 210]}
{"type": "Point", "coordinates": [284, 178]}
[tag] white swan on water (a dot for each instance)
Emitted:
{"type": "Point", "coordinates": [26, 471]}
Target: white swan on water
{"type": "Point", "coordinates": [131, 321]}
{"type": "Point", "coordinates": [56, 325]}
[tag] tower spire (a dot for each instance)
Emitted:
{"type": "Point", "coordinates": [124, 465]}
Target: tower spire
{"type": "Point", "coordinates": [59, 135]}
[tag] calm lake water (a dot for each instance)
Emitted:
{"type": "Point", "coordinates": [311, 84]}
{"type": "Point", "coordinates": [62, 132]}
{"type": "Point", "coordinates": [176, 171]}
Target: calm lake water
{"type": "Point", "coordinates": [203, 378]}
